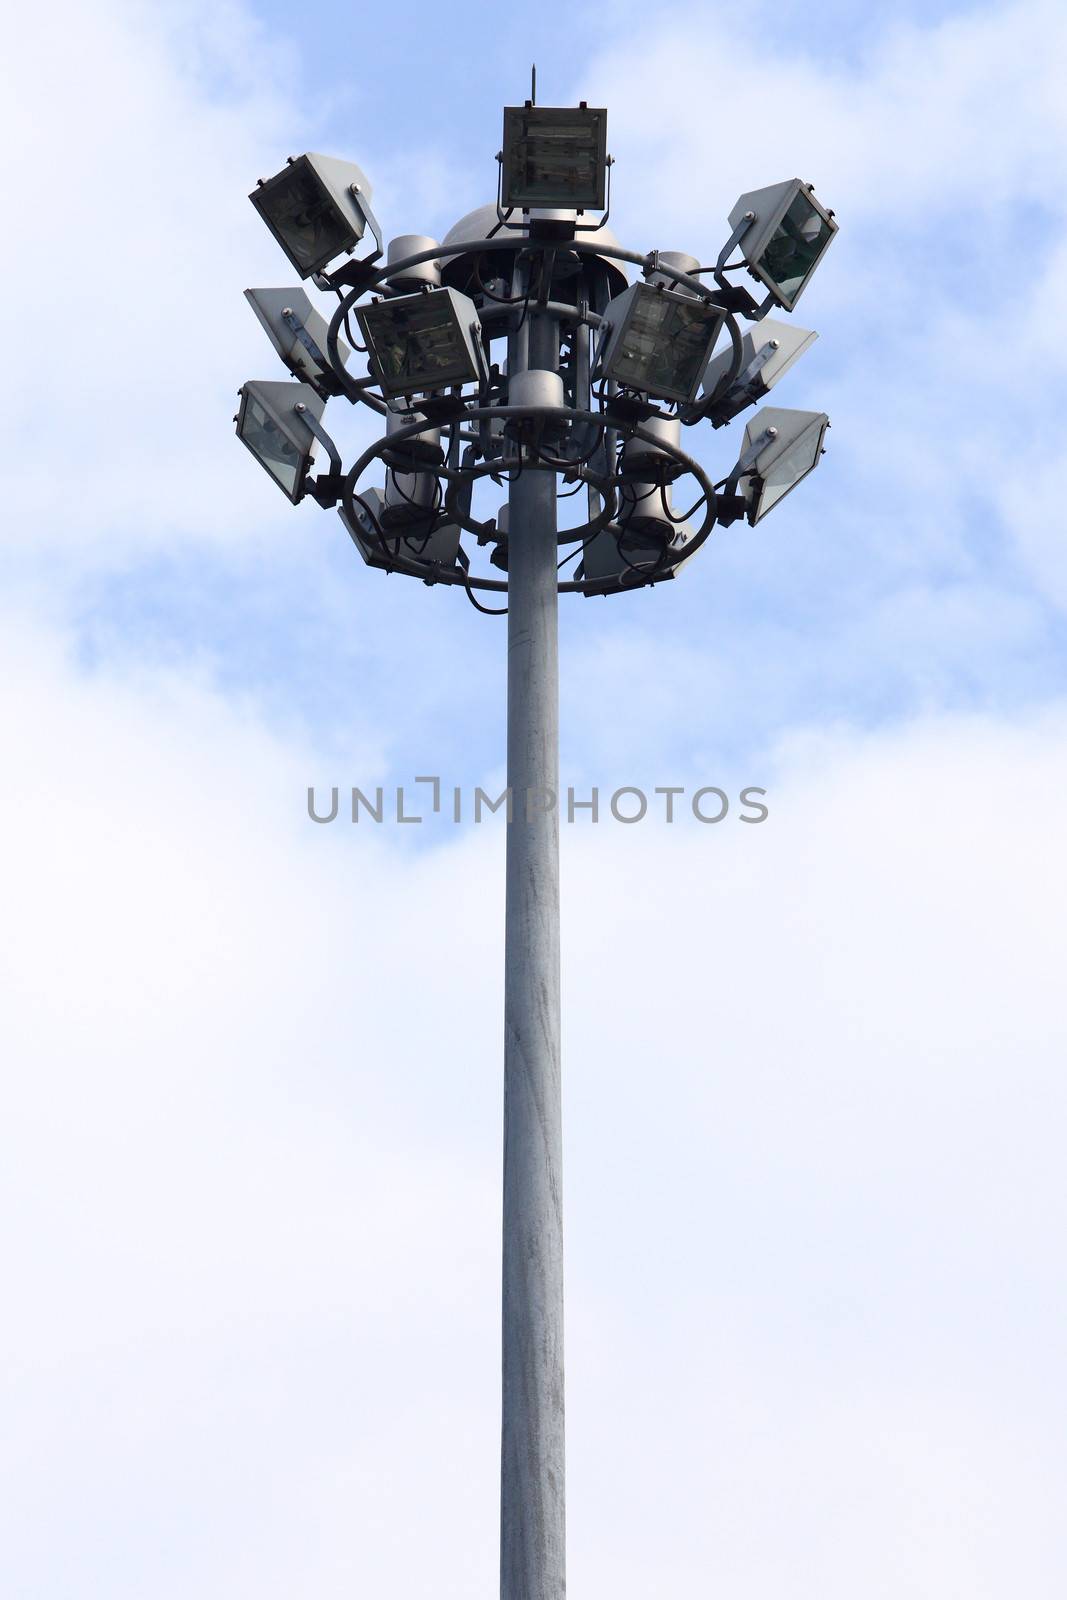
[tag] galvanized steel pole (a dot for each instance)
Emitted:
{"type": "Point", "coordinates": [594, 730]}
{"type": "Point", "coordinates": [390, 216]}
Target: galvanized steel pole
{"type": "Point", "coordinates": [532, 1518]}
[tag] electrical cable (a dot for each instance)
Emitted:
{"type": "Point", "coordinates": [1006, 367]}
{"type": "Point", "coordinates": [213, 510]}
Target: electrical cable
{"type": "Point", "coordinates": [490, 611]}
{"type": "Point", "coordinates": [582, 547]}
{"type": "Point", "coordinates": [497, 299]}
{"type": "Point", "coordinates": [685, 515]}
{"type": "Point", "coordinates": [411, 501]}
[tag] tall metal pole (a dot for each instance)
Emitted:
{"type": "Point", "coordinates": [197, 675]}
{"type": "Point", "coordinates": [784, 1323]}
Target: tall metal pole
{"type": "Point", "coordinates": [532, 1541]}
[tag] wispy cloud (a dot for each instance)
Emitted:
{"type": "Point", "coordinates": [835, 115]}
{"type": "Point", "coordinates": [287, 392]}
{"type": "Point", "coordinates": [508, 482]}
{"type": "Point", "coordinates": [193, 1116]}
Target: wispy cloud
{"type": "Point", "coordinates": [813, 1069]}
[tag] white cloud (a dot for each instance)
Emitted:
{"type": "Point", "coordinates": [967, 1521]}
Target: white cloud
{"type": "Point", "coordinates": [252, 1149]}
{"type": "Point", "coordinates": [941, 148]}
{"type": "Point", "coordinates": [136, 337]}
{"type": "Point", "coordinates": [813, 1070]}
{"type": "Point", "coordinates": [931, 114]}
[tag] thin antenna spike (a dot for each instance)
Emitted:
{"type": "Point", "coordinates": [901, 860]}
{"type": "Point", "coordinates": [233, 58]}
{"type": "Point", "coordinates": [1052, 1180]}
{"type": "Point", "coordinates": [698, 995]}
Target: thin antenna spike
{"type": "Point", "coordinates": [533, 84]}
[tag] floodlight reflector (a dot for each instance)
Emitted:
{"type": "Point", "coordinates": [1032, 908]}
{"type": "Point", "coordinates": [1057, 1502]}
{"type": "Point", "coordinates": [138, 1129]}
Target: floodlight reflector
{"type": "Point", "coordinates": [313, 209]}
{"type": "Point", "coordinates": [298, 333]}
{"type": "Point", "coordinates": [420, 342]}
{"type": "Point", "coordinates": [433, 543]}
{"type": "Point", "coordinates": [777, 465]}
{"type": "Point", "coordinates": [658, 341]}
{"type": "Point", "coordinates": [555, 156]}
{"type": "Point", "coordinates": [275, 432]}
{"type": "Point", "coordinates": [768, 350]}
{"type": "Point", "coordinates": [788, 238]}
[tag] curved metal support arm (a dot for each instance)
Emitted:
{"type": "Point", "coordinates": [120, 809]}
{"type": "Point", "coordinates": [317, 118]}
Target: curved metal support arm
{"type": "Point", "coordinates": [728, 248]}
{"type": "Point", "coordinates": [351, 388]}
{"type": "Point", "coordinates": [653, 264]}
{"type": "Point", "coordinates": [372, 222]}
{"type": "Point", "coordinates": [586, 247]}
{"type": "Point", "coordinates": [702, 408]}
{"type": "Point", "coordinates": [497, 310]}
{"type": "Point", "coordinates": [522, 241]}
{"type": "Point", "coordinates": [312, 422]}
{"type": "Point", "coordinates": [297, 328]}
{"type": "Point", "coordinates": [486, 530]}
{"type": "Point", "coordinates": [731, 503]}
{"type": "Point", "coordinates": [531, 414]}
{"type": "Point", "coordinates": [697, 471]}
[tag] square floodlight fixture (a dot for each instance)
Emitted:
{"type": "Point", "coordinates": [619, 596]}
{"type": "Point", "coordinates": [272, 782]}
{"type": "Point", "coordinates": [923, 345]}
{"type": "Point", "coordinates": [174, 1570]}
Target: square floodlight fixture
{"type": "Point", "coordinates": [275, 432]}
{"type": "Point", "coordinates": [421, 342]}
{"type": "Point", "coordinates": [313, 209]}
{"type": "Point", "coordinates": [615, 560]}
{"type": "Point", "coordinates": [768, 350]}
{"type": "Point", "coordinates": [780, 448]}
{"type": "Point", "coordinates": [788, 238]}
{"type": "Point", "coordinates": [298, 333]}
{"type": "Point", "coordinates": [381, 546]}
{"type": "Point", "coordinates": [658, 341]}
{"type": "Point", "coordinates": [555, 156]}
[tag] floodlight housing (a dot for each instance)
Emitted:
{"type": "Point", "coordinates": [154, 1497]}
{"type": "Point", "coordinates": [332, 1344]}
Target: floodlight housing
{"type": "Point", "coordinates": [768, 350]}
{"type": "Point", "coordinates": [293, 326]}
{"type": "Point", "coordinates": [775, 465]}
{"type": "Point", "coordinates": [420, 545]}
{"type": "Point", "coordinates": [788, 238]}
{"type": "Point", "coordinates": [420, 342]}
{"type": "Point", "coordinates": [276, 433]}
{"type": "Point", "coordinates": [658, 341]}
{"type": "Point", "coordinates": [610, 559]}
{"type": "Point", "coordinates": [554, 156]}
{"type": "Point", "coordinates": [313, 208]}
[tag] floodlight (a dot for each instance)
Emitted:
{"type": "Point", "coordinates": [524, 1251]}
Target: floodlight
{"type": "Point", "coordinates": [768, 350]}
{"type": "Point", "coordinates": [657, 340]}
{"type": "Point", "coordinates": [381, 546]}
{"type": "Point", "coordinates": [427, 341]}
{"type": "Point", "coordinates": [317, 208]}
{"type": "Point", "coordinates": [298, 333]}
{"type": "Point", "coordinates": [780, 448]}
{"type": "Point", "coordinates": [554, 156]}
{"type": "Point", "coordinates": [276, 433]}
{"type": "Point", "coordinates": [787, 239]}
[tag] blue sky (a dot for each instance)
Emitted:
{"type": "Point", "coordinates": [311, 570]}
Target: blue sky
{"type": "Point", "coordinates": [814, 1095]}
{"type": "Point", "coordinates": [888, 585]}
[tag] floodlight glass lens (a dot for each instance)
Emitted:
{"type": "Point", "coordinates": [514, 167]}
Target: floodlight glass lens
{"type": "Point", "coordinates": [275, 449]}
{"type": "Point", "coordinates": [554, 157]}
{"type": "Point", "coordinates": [552, 161]}
{"type": "Point", "coordinates": [304, 217]}
{"type": "Point", "coordinates": [792, 465]}
{"type": "Point", "coordinates": [664, 345]}
{"type": "Point", "coordinates": [795, 246]}
{"type": "Point", "coordinates": [418, 345]}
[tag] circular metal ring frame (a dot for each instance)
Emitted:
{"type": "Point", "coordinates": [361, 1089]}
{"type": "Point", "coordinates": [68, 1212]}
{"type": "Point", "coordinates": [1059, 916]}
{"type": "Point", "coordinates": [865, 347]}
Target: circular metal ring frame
{"type": "Point", "coordinates": [640, 575]}
{"type": "Point", "coordinates": [436, 572]}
